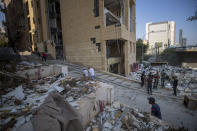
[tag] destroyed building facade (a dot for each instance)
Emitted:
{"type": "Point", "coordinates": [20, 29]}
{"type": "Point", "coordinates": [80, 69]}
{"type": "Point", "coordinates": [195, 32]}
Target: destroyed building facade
{"type": "Point", "coordinates": [100, 33]}
{"type": "Point", "coordinates": [96, 33]}
{"type": "Point", "coordinates": [19, 30]}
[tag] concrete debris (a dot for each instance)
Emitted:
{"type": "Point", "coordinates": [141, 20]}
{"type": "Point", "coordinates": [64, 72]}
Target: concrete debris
{"type": "Point", "coordinates": [187, 78]}
{"type": "Point", "coordinates": [190, 102]}
{"type": "Point", "coordinates": [17, 93]}
{"type": "Point", "coordinates": [57, 112]}
{"type": "Point", "coordinates": [8, 79]}
{"type": "Point", "coordinates": [20, 103]}
{"type": "Point", "coordinates": [123, 118]}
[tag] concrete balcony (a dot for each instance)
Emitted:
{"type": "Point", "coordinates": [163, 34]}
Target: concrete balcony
{"type": "Point", "coordinates": [113, 60]}
{"type": "Point", "coordinates": [116, 32]}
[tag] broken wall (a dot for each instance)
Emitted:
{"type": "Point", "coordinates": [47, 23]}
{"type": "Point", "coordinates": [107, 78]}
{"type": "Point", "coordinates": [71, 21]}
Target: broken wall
{"type": "Point", "coordinates": [82, 41]}
{"type": "Point", "coordinates": [89, 106]}
{"type": "Point", "coordinates": [44, 71]}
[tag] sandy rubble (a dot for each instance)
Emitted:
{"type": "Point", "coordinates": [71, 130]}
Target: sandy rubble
{"type": "Point", "coordinates": [119, 117]}
{"type": "Point", "coordinates": [187, 78]}
{"type": "Point", "coordinates": [21, 101]}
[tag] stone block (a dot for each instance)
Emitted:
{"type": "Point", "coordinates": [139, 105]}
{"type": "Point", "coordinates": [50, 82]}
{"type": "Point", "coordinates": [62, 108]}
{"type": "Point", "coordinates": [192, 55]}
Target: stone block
{"type": "Point", "coordinates": [89, 106]}
{"type": "Point", "coordinates": [190, 102]}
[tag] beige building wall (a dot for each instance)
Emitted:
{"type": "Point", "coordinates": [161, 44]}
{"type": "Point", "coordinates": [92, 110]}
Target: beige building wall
{"type": "Point", "coordinates": [44, 20]}
{"type": "Point", "coordinates": [78, 28]}
{"type": "Point", "coordinates": [31, 16]}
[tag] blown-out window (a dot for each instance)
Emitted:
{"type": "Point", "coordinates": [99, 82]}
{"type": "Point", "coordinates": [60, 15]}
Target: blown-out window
{"type": "Point", "coordinates": [96, 8]}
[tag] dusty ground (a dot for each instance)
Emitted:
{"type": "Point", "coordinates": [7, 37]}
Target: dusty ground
{"type": "Point", "coordinates": [172, 110]}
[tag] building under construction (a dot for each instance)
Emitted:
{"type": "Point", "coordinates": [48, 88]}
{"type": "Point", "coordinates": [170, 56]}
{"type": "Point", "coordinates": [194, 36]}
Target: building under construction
{"type": "Point", "coordinates": [97, 33]}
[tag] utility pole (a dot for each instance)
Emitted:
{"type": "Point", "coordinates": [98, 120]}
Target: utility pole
{"type": "Point", "coordinates": [142, 51]}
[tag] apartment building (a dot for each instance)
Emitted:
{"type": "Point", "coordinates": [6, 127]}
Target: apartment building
{"type": "Point", "coordinates": [34, 23]}
{"type": "Point", "coordinates": [160, 34]}
{"type": "Point", "coordinates": [49, 30]}
{"type": "Point", "coordinates": [17, 24]}
{"type": "Point", "coordinates": [100, 33]}
{"type": "Point", "coordinates": [96, 33]}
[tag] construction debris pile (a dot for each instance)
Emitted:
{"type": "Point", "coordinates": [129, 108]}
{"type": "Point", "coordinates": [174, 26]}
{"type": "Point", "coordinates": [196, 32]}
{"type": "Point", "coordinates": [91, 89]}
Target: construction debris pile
{"type": "Point", "coordinates": [19, 103]}
{"type": "Point", "coordinates": [119, 117]}
{"type": "Point", "coordinates": [187, 78]}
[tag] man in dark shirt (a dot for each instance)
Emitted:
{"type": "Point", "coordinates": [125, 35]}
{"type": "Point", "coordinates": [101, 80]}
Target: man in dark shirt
{"type": "Point", "coordinates": [142, 79]}
{"type": "Point", "coordinates": [156, 80]}
{"type": "Point", "coordinates": [155, 109]}
{"type": "Point", "coordinates": [163, 76]}
{"type": "Point", "coordinates": [149, 84]}
{"type": "Point", "coordinates": [175, 83]}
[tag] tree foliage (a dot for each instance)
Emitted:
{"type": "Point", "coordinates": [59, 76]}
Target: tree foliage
{"type": "Point", "coordinates": [139, 47]}
{"type": "Point", "coordinates": [3, 41]}
{"type": "Point", "coordinates": [170, 56]}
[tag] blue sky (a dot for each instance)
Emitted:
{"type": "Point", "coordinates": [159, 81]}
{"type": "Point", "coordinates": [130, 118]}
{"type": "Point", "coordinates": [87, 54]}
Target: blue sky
{"type": "Point", "coordinates": [167, 10]}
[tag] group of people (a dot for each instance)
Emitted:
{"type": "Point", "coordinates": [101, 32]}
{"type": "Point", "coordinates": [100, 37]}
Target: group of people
{"type": "Point", "coordinates": [88, 73]}
{"type": "Point", "coordinates": [152, 81]}
{"type": "Point", "coordinates": [43, 56]}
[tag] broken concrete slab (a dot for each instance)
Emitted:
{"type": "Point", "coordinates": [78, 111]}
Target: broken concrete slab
{"type": "Point", "coordinates": [89, 106]}
{"type": "Point", "coordinates": [190, 102]}
{"type": "Point", "coordinates": [58, 113]}
{"type": "Point", "coordinates": [43, 71]}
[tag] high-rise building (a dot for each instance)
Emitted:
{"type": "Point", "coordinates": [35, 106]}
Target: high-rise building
{"type": "Point", "coordinates": [160, 34]}
{"type": "Point", "coordinates": [184, 41]}
{"type": "Point", "coordinates": [97, 33]}
{"type": "Point", "coordinates": [181, 37]}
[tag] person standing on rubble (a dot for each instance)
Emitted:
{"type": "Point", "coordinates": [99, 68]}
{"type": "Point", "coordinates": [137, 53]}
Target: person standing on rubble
{"type": "Point", "coordinates": [44, 56]}
{"type": "Point", "coordinates": [155, 109]}
{"type": "Point", "coordinates": [91, 71]}
{"type": "Point", "coordinates": [163, 76]}
{"type": "Point", "coordinates": [156, 80]}
{"type": "Point", "coordinates": [149, 82]}
{"type": "Point", "coordinates": [142, 78]}
{"type": "Point", "coordinates": [175, 83]}
{"type": "Point", "coordinates": [85, 74]}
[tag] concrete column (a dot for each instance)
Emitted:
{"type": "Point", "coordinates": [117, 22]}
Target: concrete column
{"type": "Point", "coordinates": [103, 54]}
{"type": "Point", "coordinates": [127, 14]}
{"type": "Point", "coordinates": [119, 69]}
{"type": "Point", "coordinates": [126, 57]}
{"type": "Point", "coordinates": [134, 17]}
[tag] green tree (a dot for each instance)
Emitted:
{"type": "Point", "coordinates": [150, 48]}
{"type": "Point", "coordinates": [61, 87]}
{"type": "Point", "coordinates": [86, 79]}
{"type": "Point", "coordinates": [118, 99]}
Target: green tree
{"type": "Point", "coordinates": [3, 41]}
{"type": "Point", "coordinates": [139, 47]}
{"type": "Point", "coordinates": [169, 55]}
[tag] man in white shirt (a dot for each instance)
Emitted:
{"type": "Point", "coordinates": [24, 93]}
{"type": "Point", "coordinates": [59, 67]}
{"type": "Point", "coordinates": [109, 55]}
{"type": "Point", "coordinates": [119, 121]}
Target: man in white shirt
{"type": "Point", "coordinates": [91, 71]}
{"type": "Point", "coordinates": [85, 74]}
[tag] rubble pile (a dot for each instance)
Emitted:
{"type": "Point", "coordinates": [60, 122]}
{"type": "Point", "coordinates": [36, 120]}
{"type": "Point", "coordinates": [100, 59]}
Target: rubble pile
{"type": "Point", "coordinates": [75, 88]}
{"type": "Point", "coordinates": [8, 59]}
{"type": "Point", "coordinates": [187, 78]}
{"type": "Point", "coordinates": [24, 65]}
{"type": "Point", "coordinates": [119, 117]}
{"type": "Point", "coordinates": [18, 104]}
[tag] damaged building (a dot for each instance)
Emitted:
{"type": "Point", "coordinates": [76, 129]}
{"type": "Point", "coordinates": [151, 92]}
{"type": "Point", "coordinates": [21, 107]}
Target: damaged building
{"type": "Point", "coordinates": [96, 33]}
{"type": "Point", "coordinates": [34, 25]}
{"type": "Point", "coordinates": [18, 24]}
{"type": "Point", "coordinates": [99, 33]}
